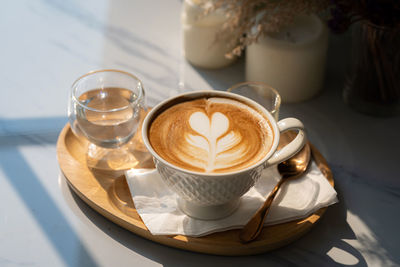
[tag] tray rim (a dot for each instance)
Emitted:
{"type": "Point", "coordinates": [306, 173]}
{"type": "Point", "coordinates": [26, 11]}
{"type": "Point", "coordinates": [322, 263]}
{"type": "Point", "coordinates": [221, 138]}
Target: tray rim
{"type": "Point", "coordinates": [196, 244]}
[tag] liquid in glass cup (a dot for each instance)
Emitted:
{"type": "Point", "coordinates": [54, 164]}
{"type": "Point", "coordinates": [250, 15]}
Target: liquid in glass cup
{"type": "Point", "coordinates": [260, 92]}
{"type": "Point", "coordinates": [106, 108]}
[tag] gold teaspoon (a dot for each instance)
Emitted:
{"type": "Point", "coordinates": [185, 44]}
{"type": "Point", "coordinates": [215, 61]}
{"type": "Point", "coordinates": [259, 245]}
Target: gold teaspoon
{"type": "Point", "coordinates": [290, 169]}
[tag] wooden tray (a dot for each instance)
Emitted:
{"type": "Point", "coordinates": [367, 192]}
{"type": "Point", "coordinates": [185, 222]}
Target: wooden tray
{"type": "Point", "coordinates": [108, 193]}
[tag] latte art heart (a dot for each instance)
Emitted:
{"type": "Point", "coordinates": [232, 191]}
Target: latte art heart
{"type": "Point", "coordinates": [211, 135]}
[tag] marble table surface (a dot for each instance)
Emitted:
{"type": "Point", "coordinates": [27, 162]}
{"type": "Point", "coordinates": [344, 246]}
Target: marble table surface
{"type": "Point", "coordinates": [46, 44]}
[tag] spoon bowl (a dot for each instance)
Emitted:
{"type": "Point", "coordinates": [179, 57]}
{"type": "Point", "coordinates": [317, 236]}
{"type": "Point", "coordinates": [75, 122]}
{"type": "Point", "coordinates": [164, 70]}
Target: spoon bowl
{"type": "Point", "coordinates": [297, 164]}
{"type": "Point", "coordinates": [290, 169]}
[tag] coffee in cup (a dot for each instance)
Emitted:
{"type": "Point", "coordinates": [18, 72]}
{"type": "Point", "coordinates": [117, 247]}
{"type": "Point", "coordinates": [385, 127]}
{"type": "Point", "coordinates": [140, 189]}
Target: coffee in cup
{"type": "Point", "coordinates": [211, 135]}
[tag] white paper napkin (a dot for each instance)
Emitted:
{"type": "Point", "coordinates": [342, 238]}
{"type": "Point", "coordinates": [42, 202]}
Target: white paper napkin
{"type": "Point", "coordinates": [157, 206]}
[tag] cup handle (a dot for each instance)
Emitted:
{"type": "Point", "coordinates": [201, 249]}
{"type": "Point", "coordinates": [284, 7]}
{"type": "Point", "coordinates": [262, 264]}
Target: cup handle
{"type": "Point", "coordinates": [294, 146]}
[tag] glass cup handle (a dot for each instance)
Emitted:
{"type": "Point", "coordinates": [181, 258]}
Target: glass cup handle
{"type": "Point", "coordinates": [294, 146]}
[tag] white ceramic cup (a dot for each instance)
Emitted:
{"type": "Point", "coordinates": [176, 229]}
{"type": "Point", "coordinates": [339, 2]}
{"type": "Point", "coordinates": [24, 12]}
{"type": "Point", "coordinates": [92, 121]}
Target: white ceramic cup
{"type": "Point", "coordinates": [211, 196]}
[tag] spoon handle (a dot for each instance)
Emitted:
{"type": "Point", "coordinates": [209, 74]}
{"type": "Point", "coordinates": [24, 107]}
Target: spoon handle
{"type": "Point", "coordinates": [254, 226]}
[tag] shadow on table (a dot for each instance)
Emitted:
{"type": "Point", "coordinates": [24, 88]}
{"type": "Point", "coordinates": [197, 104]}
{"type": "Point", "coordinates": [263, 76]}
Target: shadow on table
{"type": "Point", "coordinates": [28, 131]}
{"type": "Point", "coordinates": [30, 189]}
{"type": "Point", "coordinates": [326, 243]}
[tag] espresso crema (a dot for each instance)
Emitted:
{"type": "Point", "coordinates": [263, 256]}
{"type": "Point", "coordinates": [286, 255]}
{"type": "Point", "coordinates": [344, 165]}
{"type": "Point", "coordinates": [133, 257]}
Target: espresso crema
{"type": "Point", "coordinates": [212, 135]}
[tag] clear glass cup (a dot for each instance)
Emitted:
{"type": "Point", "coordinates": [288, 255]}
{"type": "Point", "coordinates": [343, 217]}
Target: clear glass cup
{"type": "Point", "coordinates": [106, 108]}
{"type": "Point", "coordinates": [260, 92]}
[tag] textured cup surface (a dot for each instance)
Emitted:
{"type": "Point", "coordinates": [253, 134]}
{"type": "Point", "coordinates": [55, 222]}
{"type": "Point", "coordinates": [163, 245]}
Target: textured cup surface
{"type": "Point", "coordinates": [213, 195]}
{"type": "Point", "coordinates": [208, 190]}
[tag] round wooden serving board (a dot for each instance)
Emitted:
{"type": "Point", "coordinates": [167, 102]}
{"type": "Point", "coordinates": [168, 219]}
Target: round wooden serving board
{"type": "Point", "coordinates": [108, 193]}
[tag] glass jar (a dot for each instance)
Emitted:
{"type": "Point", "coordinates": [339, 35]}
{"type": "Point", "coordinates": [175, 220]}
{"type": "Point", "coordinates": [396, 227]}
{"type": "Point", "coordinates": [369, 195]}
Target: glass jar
{"type": "Point", "coordinates": [373, 84]}
{"type": "Point", "coordinates": [203, 44]}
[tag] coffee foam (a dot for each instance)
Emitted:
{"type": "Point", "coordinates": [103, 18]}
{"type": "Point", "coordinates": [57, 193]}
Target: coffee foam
{"type": "Point", "coordinates": [211, 135]}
